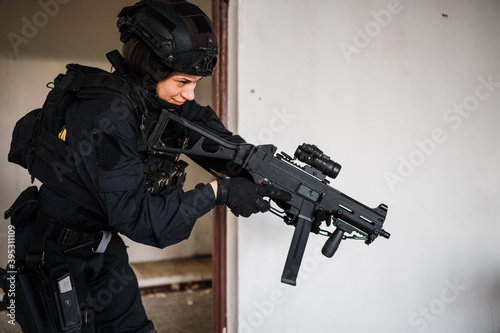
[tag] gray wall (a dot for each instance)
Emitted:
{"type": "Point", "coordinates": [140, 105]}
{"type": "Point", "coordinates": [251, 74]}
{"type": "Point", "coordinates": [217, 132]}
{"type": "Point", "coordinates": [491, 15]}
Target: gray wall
{"type": "Point", "coordinates": [405, 96]}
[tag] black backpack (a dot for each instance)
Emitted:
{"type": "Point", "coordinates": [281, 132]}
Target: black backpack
{"type": "Point", "coordinates": [36, 145]}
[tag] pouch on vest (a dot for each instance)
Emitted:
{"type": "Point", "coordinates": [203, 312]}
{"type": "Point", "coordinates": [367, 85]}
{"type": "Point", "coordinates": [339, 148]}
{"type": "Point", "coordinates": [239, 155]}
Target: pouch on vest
{"type": "Point", "coordinates": [22, 137]}
{"type": "Point", "coordinates": [24, 208]}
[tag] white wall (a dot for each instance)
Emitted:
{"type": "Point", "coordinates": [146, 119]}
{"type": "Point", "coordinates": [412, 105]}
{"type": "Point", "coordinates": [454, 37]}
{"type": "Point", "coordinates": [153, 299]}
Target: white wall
{"type": "Point", "coordinates": [403, 103]}
{"type": "Point", "coordinates": [37, 40]}
{"type": "Point", "coordinates": [232, 123]}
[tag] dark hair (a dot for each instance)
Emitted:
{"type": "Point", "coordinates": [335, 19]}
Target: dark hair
{"type": "Point", "coordinates": [142, 60]}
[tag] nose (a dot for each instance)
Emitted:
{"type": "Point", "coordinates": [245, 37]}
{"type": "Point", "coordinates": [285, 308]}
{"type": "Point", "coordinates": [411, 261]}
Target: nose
{"type": "Point", "coordinates": [188, 92]}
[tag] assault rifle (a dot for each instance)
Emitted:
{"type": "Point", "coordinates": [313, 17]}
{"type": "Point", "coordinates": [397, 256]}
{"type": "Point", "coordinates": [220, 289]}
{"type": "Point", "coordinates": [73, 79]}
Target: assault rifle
{"type": "Point", "coordinates": [313, 200]}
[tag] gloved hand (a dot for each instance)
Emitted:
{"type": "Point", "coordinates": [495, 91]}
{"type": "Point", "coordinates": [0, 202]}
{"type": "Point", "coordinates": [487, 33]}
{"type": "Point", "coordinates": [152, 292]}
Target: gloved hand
{"type": "Point", "coordinates": [319, 217]}
{"type": "Point", "coordinates": [246, 198]}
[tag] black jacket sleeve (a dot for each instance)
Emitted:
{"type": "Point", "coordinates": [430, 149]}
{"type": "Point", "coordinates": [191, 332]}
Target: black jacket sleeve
{"type": "Point", "coordinates": [104, 134]}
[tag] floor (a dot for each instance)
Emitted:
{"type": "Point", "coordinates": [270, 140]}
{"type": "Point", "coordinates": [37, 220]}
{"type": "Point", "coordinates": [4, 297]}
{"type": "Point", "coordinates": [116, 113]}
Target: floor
{"type": "Point", "coordinates": [171, 272]}
{"type": "Point", "coordinates": [188, 311]}
{"type": "Point", "coordinates": [176, 294]}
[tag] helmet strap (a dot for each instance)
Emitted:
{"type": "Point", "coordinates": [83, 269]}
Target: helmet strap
{"type": "Point", "coordinates": [160, 73]}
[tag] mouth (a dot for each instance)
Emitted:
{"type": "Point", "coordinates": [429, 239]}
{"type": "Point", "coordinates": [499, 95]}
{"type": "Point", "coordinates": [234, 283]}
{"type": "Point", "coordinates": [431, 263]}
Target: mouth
{"type": "Point", "coordinates": [177, 102]}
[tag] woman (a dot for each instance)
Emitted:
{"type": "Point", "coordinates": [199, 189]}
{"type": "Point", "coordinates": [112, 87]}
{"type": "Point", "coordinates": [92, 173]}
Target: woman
{"type": "Point", "coordinates": [168, 47]}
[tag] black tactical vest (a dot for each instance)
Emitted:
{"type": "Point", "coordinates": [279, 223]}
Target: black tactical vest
{"type": "Point", "coordinates": [36, 144]}
{"type": "Point", "coordinates": [39, 146]}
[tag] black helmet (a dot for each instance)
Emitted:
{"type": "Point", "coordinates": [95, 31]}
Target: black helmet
{"type": "Point", "coordinates": [178, 32]}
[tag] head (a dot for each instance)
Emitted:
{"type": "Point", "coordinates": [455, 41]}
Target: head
{"type": "Point", "coordinates": [169, 44]}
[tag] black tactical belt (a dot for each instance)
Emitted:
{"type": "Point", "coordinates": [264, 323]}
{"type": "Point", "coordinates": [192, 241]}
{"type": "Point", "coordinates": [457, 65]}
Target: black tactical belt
{"type": "Point", "coordinates": [47, 227]}
{"type": "Point", "coordinates": [65, 236]}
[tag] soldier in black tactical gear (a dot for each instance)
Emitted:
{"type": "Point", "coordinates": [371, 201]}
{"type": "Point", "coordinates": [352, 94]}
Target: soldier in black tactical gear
{"type": "Point", "coordinates": [101, 176]}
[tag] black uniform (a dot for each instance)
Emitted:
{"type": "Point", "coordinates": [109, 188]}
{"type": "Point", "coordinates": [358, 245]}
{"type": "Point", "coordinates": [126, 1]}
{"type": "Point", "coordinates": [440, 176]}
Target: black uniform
{"type": "Point", "coordinates": [104, 134]}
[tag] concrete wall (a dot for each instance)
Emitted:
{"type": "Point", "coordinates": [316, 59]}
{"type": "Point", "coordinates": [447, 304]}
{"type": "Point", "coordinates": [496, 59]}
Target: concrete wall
{"type": "Point", "coordinates": [404, 95]}
{"type": "Point", "coordinates": [37, 40]}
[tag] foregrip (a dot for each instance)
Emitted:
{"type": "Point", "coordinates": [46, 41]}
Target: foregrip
{"type": "Point", "coordinates": [333, 242]}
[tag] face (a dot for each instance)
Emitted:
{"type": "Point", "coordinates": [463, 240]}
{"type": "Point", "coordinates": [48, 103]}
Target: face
{"type": "Point", "coordinates": [177, 88]}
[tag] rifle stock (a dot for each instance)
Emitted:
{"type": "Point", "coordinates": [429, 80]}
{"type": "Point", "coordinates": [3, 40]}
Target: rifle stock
{"type": "Point", "coordinates": [313, 200]}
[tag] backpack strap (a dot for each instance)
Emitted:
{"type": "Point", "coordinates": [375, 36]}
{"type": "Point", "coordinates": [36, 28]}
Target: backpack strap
{"type": "Point", "coordinates": [116, 59]}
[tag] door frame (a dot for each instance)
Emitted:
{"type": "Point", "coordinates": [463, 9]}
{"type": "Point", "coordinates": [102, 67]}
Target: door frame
{"type": "Point", "coordinates": [219, 258]}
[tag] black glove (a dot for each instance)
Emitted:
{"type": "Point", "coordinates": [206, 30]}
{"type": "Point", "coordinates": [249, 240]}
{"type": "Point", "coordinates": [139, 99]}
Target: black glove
{"type": "Point", "coordinates": [246, 198]}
